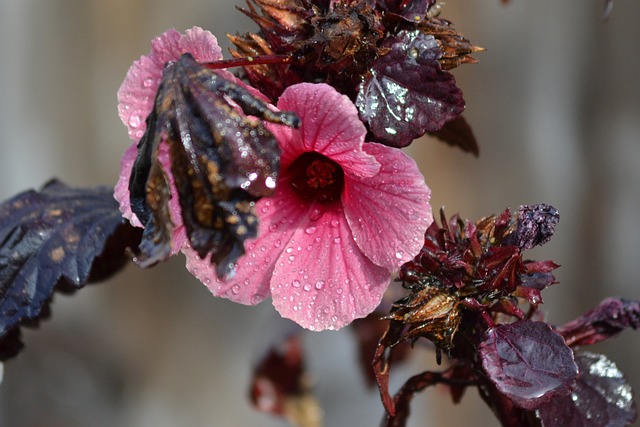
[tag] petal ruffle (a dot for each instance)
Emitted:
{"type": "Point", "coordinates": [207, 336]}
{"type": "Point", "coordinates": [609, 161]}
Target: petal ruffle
{"type": "Point", "coordinates": [329, 125]}
{"type": "Point", "coordinates": [390, 212]}
{"type": "Point", "coordinates": [138, 90]}
{"type": "Point", "coordinates": [322, 280]}
{"type": "Point", "coordinates": [280, 215]}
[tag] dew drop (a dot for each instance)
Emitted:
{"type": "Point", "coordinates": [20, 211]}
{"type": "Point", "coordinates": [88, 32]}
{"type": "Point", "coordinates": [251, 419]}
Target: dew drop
{"type": "Point", "coordinates": [334, 319]}
{"type": "Point", "coordinates": [307, 287]}
{"type": "Point", "coordinates": [310, 230]}
{"type": "Point", "coordinates": [335, 223]}
{"type": "Point", "coordinates": [318, 239]}
{"type": "Point", "coordinates": [292, 257]}
{"type": "Point", "coordinates": [134, 121]}
{"type": "Point", "coordinates": [336, 240]}
{"type": "Point", "coordinates": [148, 82]}
{"type": "Point", "coordinates": [278, 243]}
{"type": "Point", "coordinates": [296, 283]}
{"type": "Point", "coordinates": [273, 227]}
{"type": "Point", "coordinates": [399, 255]}
{"type": "Point", "coordinates": [289, 250]}
{"type": "Point", "coordinates": [319, 284]}
{"type": "Point", "coordinates": [315, 214]}
{"type": "Point", "coordinates": [366, 286]}
{"type": "Point", "coordinates": [235, 289]}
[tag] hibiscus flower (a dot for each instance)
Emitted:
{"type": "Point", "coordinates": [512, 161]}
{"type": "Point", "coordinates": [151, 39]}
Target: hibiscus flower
{"type": "Point", "coordinates": [345, 215]}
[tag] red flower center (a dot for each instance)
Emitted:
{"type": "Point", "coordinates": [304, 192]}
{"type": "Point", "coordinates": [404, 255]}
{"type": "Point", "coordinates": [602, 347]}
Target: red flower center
{"type": "Point", "coordinates": [316, 177]}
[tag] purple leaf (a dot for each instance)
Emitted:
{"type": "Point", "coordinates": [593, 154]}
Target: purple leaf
{"type": "Point", "coordinates": [601, 397]}
{"type": "Point", "coordinates": [528, 362]}
{"type": "Point", "coordinates": [57, 239]}
{"type": "Point", "coordinates": [609, 318]}
{"type": "Point", "coordinates": [407, 93]}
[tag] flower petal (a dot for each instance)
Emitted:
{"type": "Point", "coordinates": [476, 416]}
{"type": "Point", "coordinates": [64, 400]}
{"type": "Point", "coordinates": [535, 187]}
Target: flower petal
{"type": "Point", "coordinates": [138, 90]}
{"type": "Point", "coordinates": [121, 194]}
{"type": "Point", "coordinates": [322, 280]}
{"type": "Point", "coordinates": [390, 212]}
{"type": "Point", "coordinates": [279, 216]}
{"type": "Point", "coordinates": [330, 126]}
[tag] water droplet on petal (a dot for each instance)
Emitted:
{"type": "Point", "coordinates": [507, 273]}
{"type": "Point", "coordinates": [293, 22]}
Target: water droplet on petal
{"type": "Point", "coordinates": [310, 230]}
{"type": "Point", "coordinates": [296, 283]}
{"type": "Point", "coordinates": [336, 240]}
{"type": "Point", "coordinates": [278, 243]}
{"type": "Point", "coordinates": [318, 239]}
{"type": "Point", "coordinates": [335, 223]}
{"type": "Point", "coordinates": [307, 287]}
{"type": "Point", "coordinates": [134, 121]}
{"type": "Point", "coordinates": [291, 257]}
{"type": "Point", "coordinates": [148, 82]}
{"type": "Point", "coordinates": [319, 284]}
{"type": "Point", "coordinates": [334, 319]}
{"type": "Point", "coordinates": [235, 289]}
{"type": "Point", "coordinates": [399, 255]}
{"type": "Point", "coordinates": [315, 214]}
{"type": "Point", "coordinates": [273, 227]}
{"type": "Point", "coordinates": [289, 250]}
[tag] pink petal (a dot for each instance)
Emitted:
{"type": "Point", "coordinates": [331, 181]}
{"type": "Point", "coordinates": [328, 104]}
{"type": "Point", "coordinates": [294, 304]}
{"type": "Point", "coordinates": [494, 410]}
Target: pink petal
{"type": "Point", "coordinates": [322, 280]}
{"type": "Point", "coordinates": [138, 90]}
{"type": "Point", "coordinates": [390, 212]}
{"type": "Point", "coordinates": [121, 194]}
{"type": "Point", "coordinates": [279, 217]}
{"type": "Point", "coordinates": [330, 126]}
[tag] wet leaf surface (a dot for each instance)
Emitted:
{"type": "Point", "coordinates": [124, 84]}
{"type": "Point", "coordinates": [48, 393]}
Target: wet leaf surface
{"type": "Point", "coordinates": [60, 238]}
{"type": "Point", "coordinates": [601, 397]}
{"type": "Point", "coordinates": [528, 362]}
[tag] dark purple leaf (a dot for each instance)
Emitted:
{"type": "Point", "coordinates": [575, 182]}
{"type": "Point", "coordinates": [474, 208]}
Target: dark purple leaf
{"type": "Point", "coordinates": [458, 133]}
{"type": "Point", "coordinates": [608, 319]}
{"type": "Point", "coordinates": [222, 162]}
{"type": "Point", "coordinates": [601, 397]}
{"type": "Point", "coordinates": [57, 239]}
{"type": "Point", "coordinates": [406, 93]}
{"type": "Point", "coordinates": [528, 362]}
{"type": "Point", "coordinates": [536, 224]}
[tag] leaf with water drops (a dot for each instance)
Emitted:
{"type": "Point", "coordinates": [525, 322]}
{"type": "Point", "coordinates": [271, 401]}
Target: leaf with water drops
{"type": "Point", "coordinates": [601, 397]}
{"type": "Point", "coordinates": [60, 238]}
{"type": "Point", "coordinates": [406, 93]}
{"type": "Point", "coordinates": [222, 161]}
{"type": "Point", "coordinates": [528, 362]}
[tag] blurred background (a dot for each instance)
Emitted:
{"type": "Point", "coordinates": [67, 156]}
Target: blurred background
{"type": "Point", "coordinates": [554, 103]}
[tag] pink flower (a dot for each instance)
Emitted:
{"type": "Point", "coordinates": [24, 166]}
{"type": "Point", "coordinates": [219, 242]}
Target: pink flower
{"type": "Point", "coordinates": [135, 101]}
{"type": "Point", "coordinates": [344, 216]}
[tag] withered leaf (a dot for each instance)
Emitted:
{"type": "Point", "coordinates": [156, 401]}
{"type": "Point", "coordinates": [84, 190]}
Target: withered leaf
{"type": "Point", "coordinates": [406, 93]}
{"type": "Point", "coordinates": [60, 238]}
{"type": "Point", "coordinates": [221, 159]}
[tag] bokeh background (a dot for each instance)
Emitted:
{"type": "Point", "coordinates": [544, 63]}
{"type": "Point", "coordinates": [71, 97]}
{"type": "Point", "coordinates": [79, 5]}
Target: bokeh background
{"type": "Point", "coordinates": [554, 103]}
